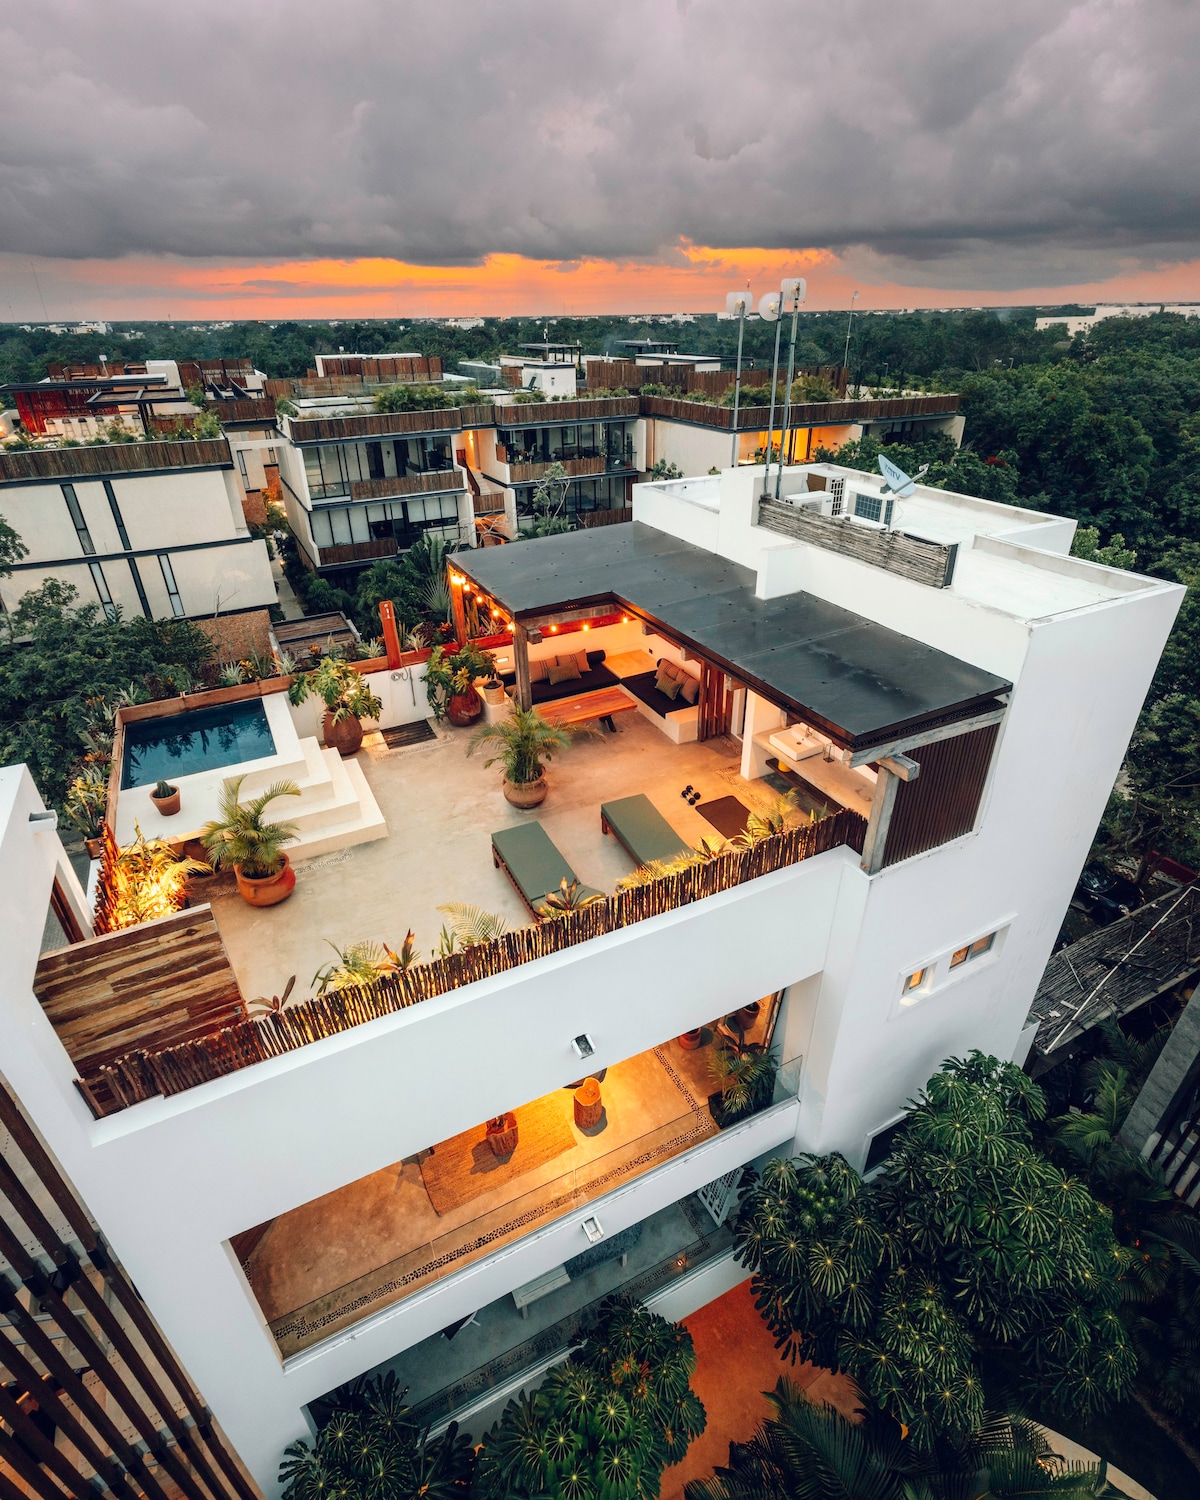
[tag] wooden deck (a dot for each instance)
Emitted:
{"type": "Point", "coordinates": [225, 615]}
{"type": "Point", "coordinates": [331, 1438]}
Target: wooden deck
{"type": "Point", "coordinates": [146, 987]}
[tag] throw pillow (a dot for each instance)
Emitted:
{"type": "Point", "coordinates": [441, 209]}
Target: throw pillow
{"type": "Point", "coordinates": [564, 671]}
{"type": "Point", "coordinates": [661, 679]}
{"type": "Point", "coordinates": [537, 670]}
{"type": "Point", "coordinates": [578, 657]}
{"type": "Point", "coordinates": [671, 687]}
{"type": "Point", "coordinates": [690, 690]}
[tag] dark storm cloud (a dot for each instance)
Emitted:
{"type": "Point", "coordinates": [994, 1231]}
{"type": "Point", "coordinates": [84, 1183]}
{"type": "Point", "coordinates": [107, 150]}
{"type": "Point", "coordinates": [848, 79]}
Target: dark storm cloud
{"type": "Point", "coordinates": [928, 138]}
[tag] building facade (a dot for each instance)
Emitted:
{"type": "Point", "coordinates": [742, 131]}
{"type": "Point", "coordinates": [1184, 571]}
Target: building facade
{"type": "Point", "coordinates": [947, 693]}
{"type": "Point", "coordinates": [154, 528]}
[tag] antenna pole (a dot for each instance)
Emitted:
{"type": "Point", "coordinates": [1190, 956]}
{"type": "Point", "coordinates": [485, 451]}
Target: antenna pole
{"type": "Point", "coordinates": [771, 418]}
{"type": "Point", "coordinates": [849, 326]}
{"type": "Point", "coordinates": [737, 384]}
{"type": "Point", "coordinates": [787, 397]}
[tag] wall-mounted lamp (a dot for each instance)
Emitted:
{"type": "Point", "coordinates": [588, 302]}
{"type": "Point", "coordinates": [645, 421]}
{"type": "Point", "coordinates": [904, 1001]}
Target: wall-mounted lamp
{"type": "Point", "coordinates": [592, 1228]}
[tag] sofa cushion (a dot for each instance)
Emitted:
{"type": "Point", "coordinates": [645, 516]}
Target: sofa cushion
{"type": "Point", "coordinates": [671, 688]}
{"type": "Point", "coordinates": [689, 690]}
{"type": "Point", "coordinates": [539, 669]}
{"type": "Point", "coordinates": [564, 670]}
{"type": "Point", "coordinates": [642, 687]}
{"type": "Point", "coordinates": [578, 657]}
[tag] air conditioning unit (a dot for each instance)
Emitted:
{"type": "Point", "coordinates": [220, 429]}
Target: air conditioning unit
{"type": "Point", "coordinates": [818, 504]}
{"type": "Point", "coordinates": [836, 491]}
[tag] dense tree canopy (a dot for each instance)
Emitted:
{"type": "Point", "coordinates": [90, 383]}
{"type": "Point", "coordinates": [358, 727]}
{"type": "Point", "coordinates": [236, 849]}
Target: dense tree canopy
{"type": "Point", "coordinates": [968, 1238]}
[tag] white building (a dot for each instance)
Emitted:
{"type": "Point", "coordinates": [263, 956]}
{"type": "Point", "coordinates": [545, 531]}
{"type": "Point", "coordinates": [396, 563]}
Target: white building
{"type": "Point", "coordinates": [156, 528]}
{"type": "Point", "coordinates": [935, 674]}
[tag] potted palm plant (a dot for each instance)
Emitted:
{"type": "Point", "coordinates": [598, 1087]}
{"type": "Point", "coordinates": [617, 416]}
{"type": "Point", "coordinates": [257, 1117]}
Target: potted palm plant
{"type": "Point", "coordinates": [449, 679]}
{"type": "Point", "coordinates": [524, 740]}
{"type": "Point", "coordinates": [243, 840]}
{"type": "Point", "coordinates": [745, 1076]}
{"type": "Point", "coordinates": [347, 698]}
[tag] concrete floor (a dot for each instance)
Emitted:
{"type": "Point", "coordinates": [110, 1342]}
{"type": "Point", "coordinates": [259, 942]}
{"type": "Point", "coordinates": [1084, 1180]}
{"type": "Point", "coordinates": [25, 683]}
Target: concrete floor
{"type": "Point", "coordinates": [441, 808]}
{"type": "Point", "coordinates": [380, 1237]}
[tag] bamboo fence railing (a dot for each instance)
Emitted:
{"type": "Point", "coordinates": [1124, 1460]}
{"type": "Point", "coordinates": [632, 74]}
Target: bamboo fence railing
{"type": "Point", "coordinates": [143, 1074]}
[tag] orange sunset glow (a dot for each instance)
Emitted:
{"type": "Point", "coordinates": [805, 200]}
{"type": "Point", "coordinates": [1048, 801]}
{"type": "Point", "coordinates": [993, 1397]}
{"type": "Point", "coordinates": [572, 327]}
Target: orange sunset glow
{"type": "Point", "coordinates": [690, 278]}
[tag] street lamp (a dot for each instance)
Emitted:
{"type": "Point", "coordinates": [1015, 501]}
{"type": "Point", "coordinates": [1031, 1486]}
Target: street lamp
{"type": "Point", "coordinates": [738, 304]}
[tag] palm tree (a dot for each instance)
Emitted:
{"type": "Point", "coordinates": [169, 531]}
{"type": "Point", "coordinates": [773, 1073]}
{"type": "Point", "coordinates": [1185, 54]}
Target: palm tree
{"type": "Point", "coordinates": [810, 1452]}
{"type": "Point", "coordinates": [242, 837]}
{"type": "Point", "coordinates": [525, 739]}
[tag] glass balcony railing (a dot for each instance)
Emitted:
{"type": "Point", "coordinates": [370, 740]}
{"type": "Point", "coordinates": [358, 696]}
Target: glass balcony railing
{"type": "Point", "coordinates": [511, 1216]}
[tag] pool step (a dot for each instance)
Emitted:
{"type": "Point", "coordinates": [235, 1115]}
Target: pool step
{"type": "Point", "coordinates": [350, 816]}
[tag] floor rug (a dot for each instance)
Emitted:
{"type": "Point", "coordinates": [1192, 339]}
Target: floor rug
{"type": "Point", "coordinates": [418, 733]}
{"type": "Point", "coordinates": [726, 814]}
{"type": "Point", "coordinates": [465, 1167]}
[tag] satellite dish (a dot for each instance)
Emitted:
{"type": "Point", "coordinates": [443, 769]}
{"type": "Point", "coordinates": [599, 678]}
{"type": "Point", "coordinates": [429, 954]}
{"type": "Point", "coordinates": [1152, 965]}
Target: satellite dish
{"type": "Point", "coordinates": [738, 304]}
{"type": "Point", "coordinates": [898, 482]}
{"type": "Point", "coordinates": [793, 289]}
{"type": "Point", "coordinates": [770, 306]}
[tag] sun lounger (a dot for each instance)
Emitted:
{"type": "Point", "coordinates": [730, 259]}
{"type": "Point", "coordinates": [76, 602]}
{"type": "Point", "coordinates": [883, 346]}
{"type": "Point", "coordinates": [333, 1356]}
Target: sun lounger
{"type": "Point", "coordinates": [532, 863]}
{"type": "Point", "coordinates": [643, 830]}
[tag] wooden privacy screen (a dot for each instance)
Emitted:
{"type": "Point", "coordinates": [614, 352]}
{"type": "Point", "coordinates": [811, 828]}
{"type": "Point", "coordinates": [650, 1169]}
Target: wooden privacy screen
{"type": "Point", "coordinates": [92, 1399]}
{"type": "Point", "coordinates": [155, 985]}
{"type": "Point", "coordinates": [715, 702]}
{"type": "Point", "coordinates": [941, 804]}
{"type": "Point", "coordinates": [910, 556]}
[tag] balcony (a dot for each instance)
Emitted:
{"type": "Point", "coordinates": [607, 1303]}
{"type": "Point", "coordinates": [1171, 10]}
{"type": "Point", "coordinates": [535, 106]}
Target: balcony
{"type": "Point", "coordinates": [432, 482]}
{"type": "Point", "coordinates": [342, 553]}
{"type": "Point", "coordinates": [574, 468]}
{"type": "Point", "coordinates": [426, 1218]}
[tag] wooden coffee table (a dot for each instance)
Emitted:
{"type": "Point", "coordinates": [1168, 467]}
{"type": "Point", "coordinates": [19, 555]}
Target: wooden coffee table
{"type": "Point", "coordinates": [584, 707]}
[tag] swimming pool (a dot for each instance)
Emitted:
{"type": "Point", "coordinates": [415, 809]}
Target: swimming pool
{"type": "Point", "coordinates": [203, 739]}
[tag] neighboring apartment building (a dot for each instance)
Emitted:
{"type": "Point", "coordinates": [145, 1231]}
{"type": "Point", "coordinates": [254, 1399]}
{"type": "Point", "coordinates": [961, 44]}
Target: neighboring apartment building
{"type": "Point", "coordinates": [948, 694]}
{"type": "Point", "coordinates": [156, 528]}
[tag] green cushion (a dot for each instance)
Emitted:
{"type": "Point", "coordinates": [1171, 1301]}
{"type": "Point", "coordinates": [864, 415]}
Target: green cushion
{"type": "Point", "coordinates": [532, 860]}
{"type": "Point", "coordinates": [642, 828]}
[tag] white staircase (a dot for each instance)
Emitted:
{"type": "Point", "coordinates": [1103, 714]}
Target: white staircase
{"type": "Point", "coordinates": [336, 808]}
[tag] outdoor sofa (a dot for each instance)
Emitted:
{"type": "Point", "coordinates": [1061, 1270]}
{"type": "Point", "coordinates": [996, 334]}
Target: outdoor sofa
{"type": "Point", "coordinates": [637, 824]}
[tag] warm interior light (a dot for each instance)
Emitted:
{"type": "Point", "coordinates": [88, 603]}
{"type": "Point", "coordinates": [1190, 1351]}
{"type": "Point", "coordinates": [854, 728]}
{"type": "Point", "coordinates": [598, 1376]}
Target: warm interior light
{"type": "Point", "coordinates": [587, 627]}
{"type": "Point", "coordinates": [554, 630]}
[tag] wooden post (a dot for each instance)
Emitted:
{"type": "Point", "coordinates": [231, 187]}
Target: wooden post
{"type": "Point", "coordinates": [875, 843]}
{"type": "Point", "coordinates": [460, 613]}
{"type": "Point", "coordinates": [391, 636]}
{"type": "Point", "coordinates": [521, 662]}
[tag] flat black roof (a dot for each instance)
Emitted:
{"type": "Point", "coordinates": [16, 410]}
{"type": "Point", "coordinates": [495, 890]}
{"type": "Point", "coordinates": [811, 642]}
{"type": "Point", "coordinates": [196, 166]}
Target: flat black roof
{"type": "Point", "coordinates": [858, 680]}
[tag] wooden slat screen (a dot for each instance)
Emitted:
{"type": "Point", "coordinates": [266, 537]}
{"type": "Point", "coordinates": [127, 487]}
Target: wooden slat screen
{"type": "Point", "coordinates": [942, 803]}
{"type": "Point", "coordinates": [912, 557]}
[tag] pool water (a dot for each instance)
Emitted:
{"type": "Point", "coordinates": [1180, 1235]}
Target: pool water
{"type": "Point", "coordinates": [204, 739]}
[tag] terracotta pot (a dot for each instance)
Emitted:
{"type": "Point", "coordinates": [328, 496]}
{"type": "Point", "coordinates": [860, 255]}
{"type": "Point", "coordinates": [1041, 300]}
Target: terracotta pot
{"type": "Point", "coordinates": [690, 1040]}
{"type": "Point", "coordinates": [269, 891]}
{"type": "Point", "coordinates": [167, 806]}
{"type": "Point", "coordinates": [501, 1134]}
{"type": "Point", "coordinates": [464, 708]}
{"type": "Point", "coordinates": [748, 1014]}
{"type": "Point", "coordinates": [343, 735]}
{"type": "Point", "coordinates": [589, 1104]}
{"type": "Point", "coordinates": [526, 793]}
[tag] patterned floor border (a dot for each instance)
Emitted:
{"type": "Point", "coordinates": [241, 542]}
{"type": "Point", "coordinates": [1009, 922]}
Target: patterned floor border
{"type": "Point", "coordinates": [298, 1328]}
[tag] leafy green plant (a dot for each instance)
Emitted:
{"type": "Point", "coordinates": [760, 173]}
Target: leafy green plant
{"type": "Point", "coordinates": [244, 837]}
{"type": "Point", "coordinates": [343, 691]}
{"type": "Point", "coordinates": [523, 740]}
{"type": "Point", "coordinates": [150, 880]}
{"type": "Point", "coordinates": [232, 674]}
{"type": "Point", "coordinates": [662, 469]}
{"type": "Point", "coordinates": [968, 1238]}
{"type": "Point", "coordinates": [369, 1448]}
{"type": "Point", "coordinates": [86, 801]}
{"type": "Point", "coordinates": [549, 501]}
{"type": "Point", "coordinates": [804, 1451]}
{"type": "Point", "coordinates": [449, 674]}
{"type": "Point", "coordinates": [569, 897]}
{"type": "Point", "coordinates": [395, 398]}
{"type": "Point", "coordinates": [606, 1423]}
{"type": "Point", "coordinates": [469, 925]}
{"type": "Point", "coordinates": [362, 963]}
{"type": "Point", "coordinates": [745, 1076]}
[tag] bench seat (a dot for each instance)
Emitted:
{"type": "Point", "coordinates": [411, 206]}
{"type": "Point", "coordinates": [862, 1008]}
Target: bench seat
{"type": "Point", "coordinates": [528, 857]}
{"type": "Point", "coordinates": [641, 828]}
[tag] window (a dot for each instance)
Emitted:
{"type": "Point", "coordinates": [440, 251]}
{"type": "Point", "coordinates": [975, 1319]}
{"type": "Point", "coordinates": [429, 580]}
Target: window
{"type": "Point", "coordinates": [241, 458]}
{"type": "Point", "coordinates": [137, 583]}
{"type": "Point", "coordinates": [973, 950]}
{"type": "Point", "coordinates": [76, 514]}
{"type": "Point", "coordinates": [168, 574]}
{"type": "Point", "coordinates": [915, 980]}
{"type": "Point", "coordinates": [98, 578]}
{"type": "Point", "coordinates": [118, 520]}
{"type": "Point", "coordinates": [881, 1146]}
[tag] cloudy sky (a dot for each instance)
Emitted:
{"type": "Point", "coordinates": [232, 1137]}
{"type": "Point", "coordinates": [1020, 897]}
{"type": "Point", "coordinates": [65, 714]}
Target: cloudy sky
{"type": "Point", "coordinates": [384, 157]}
